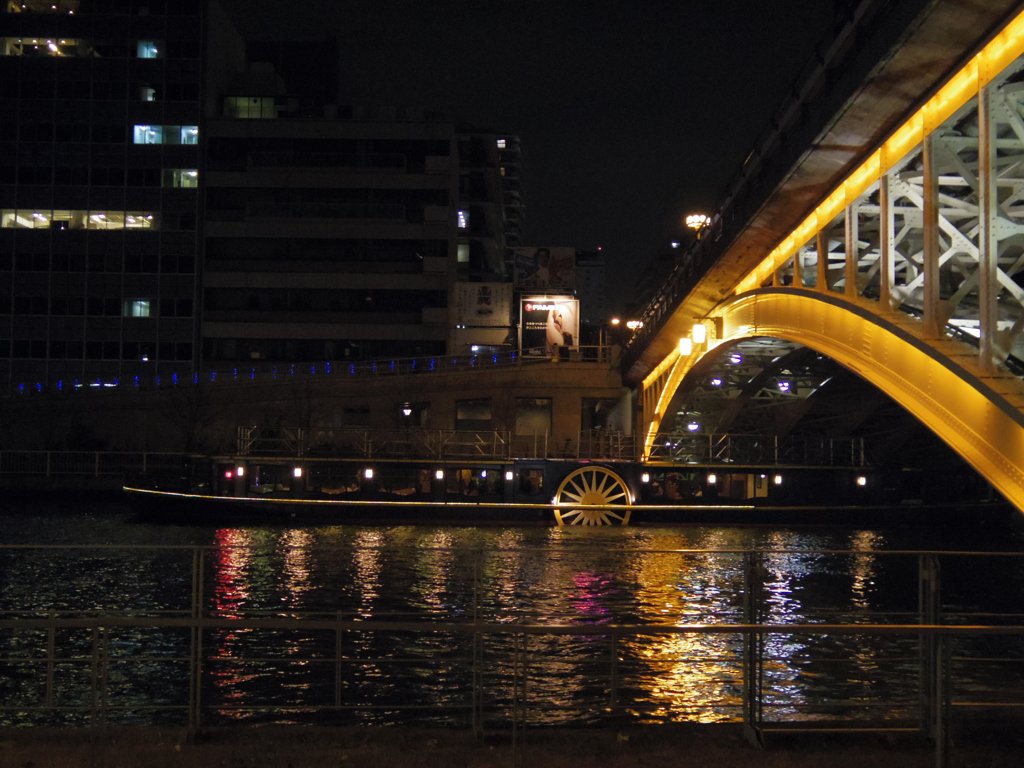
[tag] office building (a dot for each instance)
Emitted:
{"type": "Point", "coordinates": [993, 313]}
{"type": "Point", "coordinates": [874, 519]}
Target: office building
{"type": "Point", "coordinates": [99, 163]}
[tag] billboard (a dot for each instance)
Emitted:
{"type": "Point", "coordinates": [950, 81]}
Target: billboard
{"type": "Point", "coordinates": [484, 304]}
{"type": "Point", "coordinates": [547, 322]}
{"type": "Point", "coordinates": [544, 269]}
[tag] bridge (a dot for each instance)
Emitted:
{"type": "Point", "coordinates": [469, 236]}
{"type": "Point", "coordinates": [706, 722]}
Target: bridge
{"type": "Point", "coordinates": [880, 223]}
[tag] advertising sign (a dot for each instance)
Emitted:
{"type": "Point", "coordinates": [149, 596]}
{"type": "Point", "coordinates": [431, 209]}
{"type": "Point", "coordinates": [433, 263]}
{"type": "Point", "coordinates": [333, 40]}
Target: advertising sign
{"type": "Point", "coordinates": [544, 270]}
{"type": "Point", "coordinates": [484, 304]}
{"type": "Point", "coordinates": [547, 322]}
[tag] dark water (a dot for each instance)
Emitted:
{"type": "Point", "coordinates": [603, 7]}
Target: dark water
{"type": "Point", "coordinates": [419, 575]}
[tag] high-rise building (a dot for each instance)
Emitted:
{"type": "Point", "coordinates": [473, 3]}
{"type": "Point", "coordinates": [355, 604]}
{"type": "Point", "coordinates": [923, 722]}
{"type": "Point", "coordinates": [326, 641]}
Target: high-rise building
{"type": "Point", "coordinates": [99, 168]}
{"type": "Point", "coordinates": [141, 148]}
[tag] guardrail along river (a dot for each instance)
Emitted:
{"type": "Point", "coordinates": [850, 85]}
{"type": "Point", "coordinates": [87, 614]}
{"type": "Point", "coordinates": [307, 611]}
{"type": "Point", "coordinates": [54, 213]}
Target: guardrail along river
{"type": "Point", "coordinates": [107, 621]}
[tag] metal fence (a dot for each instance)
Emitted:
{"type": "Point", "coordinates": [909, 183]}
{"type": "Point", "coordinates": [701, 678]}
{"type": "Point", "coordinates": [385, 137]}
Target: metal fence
{"type": "Point", "coordinates": [202, 662]}
{"type": "Point", "coordinates": [87, 463]}
{"type": "Point", "coordinates": [758, 449]}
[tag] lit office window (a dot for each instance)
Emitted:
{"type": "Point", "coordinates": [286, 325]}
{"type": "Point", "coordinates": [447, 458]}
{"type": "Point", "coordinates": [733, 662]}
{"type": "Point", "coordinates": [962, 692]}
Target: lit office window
{"type": "Point", "coordinates": [42, 6]}
{"type": "Point", "coordinates": [463, 253]}
{"type": "Point", "coordinates": [148, 134]}
{"type": "Point", "coordinates": [250, 107]}
{"type": "Point", "coordinates": [136, 308]}
{"type": "Point", "coordinates": [463, 219]}
{"type": "Point", "coordinates": [148, 49]}
{"type": "Point", "coordinates": [189, 134]}
{"type": "Point", "coordinates": [187, 178]}
{"type": "Point", "coordinates": [501, 143]}
{"type": "Point", "coordinates": [147, 94]}
{"type": "Point", "coordinates": [76, 219]}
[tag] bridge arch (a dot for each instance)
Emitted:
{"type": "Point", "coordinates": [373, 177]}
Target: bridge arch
{"type": "Point", "coordinates": [938, 380]}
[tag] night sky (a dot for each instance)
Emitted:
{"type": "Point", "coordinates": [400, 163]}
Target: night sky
{"type": "Point", "coordinates": [632, 113]}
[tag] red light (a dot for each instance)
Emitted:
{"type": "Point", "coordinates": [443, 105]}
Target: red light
{"type": "Point", "coordinates": [228, 475]}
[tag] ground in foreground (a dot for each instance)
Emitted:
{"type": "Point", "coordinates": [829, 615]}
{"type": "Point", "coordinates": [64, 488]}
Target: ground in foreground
{"type": "Point", "coordinates": [300, 747]}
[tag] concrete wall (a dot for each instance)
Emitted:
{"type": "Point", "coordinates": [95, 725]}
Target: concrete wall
{"type": "Point", "coordinates": [205, 418]}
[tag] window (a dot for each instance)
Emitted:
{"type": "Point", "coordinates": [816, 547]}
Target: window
{"type": "Point", "coordinates": [501, 143]}
{"type": "Point", "coordinates": [187, 178]}
{"type": "Point", "coordinates": [42, 6]}
{"type": "Point", "coordinates": [136, 308]}
{"type": "Point", "coordinates": [473, 414]}
{"type": "Point", "coordinates": [32, 219]}
{"type": "Point", "coordinates": [149, 94]}
{"type": "Point", "coordinates": [149, 49]}
{"type": "Point", "coordinates": [250, 107]}
{"type": "Point", "coordinates": [166, 134]}
{"type": "Point", "coordinates": [463, 253]}
{"type": "Point", "coordinates": [148, 134]}
{"type": "Point", "coordinates": [43, 46]}
{"type": "Point", "coordinates": [463, 219]}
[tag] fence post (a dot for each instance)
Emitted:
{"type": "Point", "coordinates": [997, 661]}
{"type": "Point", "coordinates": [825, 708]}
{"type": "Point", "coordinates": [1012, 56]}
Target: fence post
{"type": "Point", "coordinates": [753, 642]}
{"type": "Point", "coordinates": [196, 638]}
{"type": "Point", "coordinates": [929, 606]}
{"type": "Point", "coordinates": [478, 651]}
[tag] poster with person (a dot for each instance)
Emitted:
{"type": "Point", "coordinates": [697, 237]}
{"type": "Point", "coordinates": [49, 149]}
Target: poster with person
{"type": "Point", "coordinates": [549, 322]}
{"type": "Point", "coordinates": [549, 270]}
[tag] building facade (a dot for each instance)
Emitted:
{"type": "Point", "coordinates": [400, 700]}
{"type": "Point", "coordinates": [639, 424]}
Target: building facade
{"type": "Point", "coordinates": [99, 200]}
{"type": "Point", "coordinates": [169, 204]}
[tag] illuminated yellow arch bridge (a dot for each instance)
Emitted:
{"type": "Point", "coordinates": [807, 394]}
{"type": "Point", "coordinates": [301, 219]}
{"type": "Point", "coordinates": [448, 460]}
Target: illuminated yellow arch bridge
{"type": "Point", "coordinates": [909, 272]}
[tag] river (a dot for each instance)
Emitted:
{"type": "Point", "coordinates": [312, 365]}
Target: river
{"type": "Point", "coordinates": [87, 560]}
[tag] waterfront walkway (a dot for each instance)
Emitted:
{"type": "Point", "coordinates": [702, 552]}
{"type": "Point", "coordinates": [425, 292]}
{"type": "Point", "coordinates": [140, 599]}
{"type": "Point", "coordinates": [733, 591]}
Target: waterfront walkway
{"type": "Point", "coordinates": [710, 746]}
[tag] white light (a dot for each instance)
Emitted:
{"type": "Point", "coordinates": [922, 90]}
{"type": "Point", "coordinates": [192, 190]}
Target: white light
{"type": "Point", "coordinates": [712, 478]}
{"type": "Point", "coordinates": [508, 474]}
{"type": "Point", "coordinates": [693, 426]}
{"type": "Point", "coordinates": [439, 474]}
{"type": "Point", "coordinates": [645, 478]}
{"type": "Point", "coordinates": [634, 325]}
{"type": "Point", "coordinates": [784, 386]}
{"type": "Point", "coordinates": [685, 346]}
{"type": "Point", "coordinates": [778, 479]}
{"type": "Point", "coordinates": [483, 473]}
{"type": "Point", "coordinates": [297, 472]}
{"type": "Point", "coordinates": [716, 382]}
{"type": "Point", "coordinates": [53, 47]}
{"type": "Point", "coordinates": [368, 473]}
{"type": "Point", "coordinates": [861, 480]}
{"type": "Point", "coordinates": [675, 244]}
{"type": "Point", "coordinates": [240, 471]}
{"type": "Point", "coordinates": [736, 358]}
{"type": "Point", "coordinates": [474, 348]}
{"type": "Point", "coordinates": [700, 333]}
{"type": "Point", "coordinates": [407, 410]}
{"type": "Point", "coordinates": [697, 221]}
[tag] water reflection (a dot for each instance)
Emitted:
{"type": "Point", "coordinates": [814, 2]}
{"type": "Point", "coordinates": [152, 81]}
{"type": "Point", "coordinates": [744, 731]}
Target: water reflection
{"type": "Point", "coordinates": [595, 578]}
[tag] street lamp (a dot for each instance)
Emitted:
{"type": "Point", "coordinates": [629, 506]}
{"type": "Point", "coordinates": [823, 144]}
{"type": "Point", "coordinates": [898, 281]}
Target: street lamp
{"type": "Point", "coordinates": [697, 222]}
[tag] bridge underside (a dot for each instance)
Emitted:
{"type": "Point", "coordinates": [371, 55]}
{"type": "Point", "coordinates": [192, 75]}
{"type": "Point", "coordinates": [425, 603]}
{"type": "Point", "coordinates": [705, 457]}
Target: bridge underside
{"type": "Point", "coordinates": [939, 382]}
